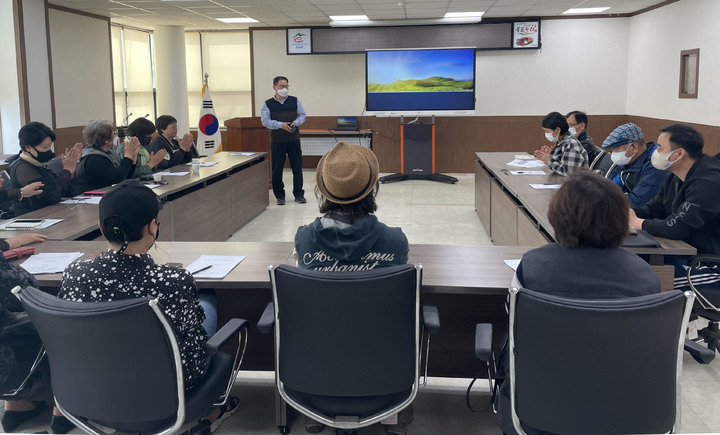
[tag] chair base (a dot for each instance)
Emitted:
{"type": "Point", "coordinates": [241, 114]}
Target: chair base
{"type": "Point", "coordinates": [711, 335]}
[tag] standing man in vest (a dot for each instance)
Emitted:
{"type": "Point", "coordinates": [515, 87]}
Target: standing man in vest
{"type": "Point", "coordinates": [283, 115]}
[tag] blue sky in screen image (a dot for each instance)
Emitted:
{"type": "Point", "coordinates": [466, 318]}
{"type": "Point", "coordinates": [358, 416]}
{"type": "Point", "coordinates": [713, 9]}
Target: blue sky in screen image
{"type": "Point", "coordinates": [387, 66]}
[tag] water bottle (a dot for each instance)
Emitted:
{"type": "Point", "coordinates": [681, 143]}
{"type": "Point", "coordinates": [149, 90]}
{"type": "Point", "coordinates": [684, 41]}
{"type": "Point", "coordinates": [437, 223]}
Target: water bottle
{"type": "Point", "coordinates": [196, 166]}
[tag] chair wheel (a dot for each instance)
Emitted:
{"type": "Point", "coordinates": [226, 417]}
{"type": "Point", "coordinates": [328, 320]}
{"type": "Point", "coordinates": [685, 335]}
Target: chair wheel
{"type": "Point", "coordinates": [284, 429]}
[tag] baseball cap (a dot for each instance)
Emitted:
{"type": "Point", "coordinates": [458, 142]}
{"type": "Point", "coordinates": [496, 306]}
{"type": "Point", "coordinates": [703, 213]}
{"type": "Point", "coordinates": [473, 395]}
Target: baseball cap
{"type": "Point", "coordinates": [622, 135]}
{"type": "Point", "coordinates": [131, 203]}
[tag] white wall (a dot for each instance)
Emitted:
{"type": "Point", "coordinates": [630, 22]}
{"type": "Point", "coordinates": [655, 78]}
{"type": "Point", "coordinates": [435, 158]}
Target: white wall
{"type": "Point", "coordinates": [9, 93]}
{"type": "Point", "coordinates": [582, 66]}
{"type": "Point", "coordinates": [36, 56]}
{"type": "Point", "coordinates": [655, 41]}
{"type": "Point", "coordinates": [327, 85]}
{"type": "Point", "coordinates": [81, 68]}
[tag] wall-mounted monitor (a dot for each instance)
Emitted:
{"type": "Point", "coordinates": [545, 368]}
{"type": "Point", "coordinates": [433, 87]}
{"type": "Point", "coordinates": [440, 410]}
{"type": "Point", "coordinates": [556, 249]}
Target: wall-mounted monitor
{"type": "Point", "coordinates": [422, 81]}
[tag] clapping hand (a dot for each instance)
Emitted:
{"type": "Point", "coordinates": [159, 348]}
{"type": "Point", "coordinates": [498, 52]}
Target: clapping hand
{"type": "Point", "coordinates": [156, 158]}
{"type": "Point", "coordinates": [542, 155]}
{"type": "Point", "coordinates": [131, 149]}
{"type": "Point", "coordinates": [31, 189]}
{"type": "Point", "coordinates": [71, 157]}
{"type": "Point", "coordinates": [186, 142]}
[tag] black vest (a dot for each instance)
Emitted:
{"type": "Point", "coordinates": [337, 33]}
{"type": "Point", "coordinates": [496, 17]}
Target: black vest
{"type": "Point", "coordinates": [283, 112]}
{"type": "Point", "coordinates": [34, 202]}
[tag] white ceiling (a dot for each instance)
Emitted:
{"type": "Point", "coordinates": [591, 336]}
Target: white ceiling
{"type": "Point", "coordinates": [202, 14]}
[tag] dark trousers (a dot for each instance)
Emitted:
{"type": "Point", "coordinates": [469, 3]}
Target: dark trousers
{"type": "Point", "coordinates": [294, 153]}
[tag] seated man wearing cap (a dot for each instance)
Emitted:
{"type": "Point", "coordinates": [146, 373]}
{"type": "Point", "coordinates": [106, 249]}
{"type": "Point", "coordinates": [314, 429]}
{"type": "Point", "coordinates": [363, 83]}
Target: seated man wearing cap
{"type": "Point", "coordinates": [128, 220]}
{"type": "Point", "coordinates": [349, 237]}
{"type": "Point", "coordinates": [634, 172]}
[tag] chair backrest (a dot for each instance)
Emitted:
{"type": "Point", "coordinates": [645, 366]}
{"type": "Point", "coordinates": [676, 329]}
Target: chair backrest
{"type": "Point", "coordinates": [597, 366]}
{"type": "Point", "coordinates": [110, 361]}
{"type": "Point", "coordinates": [602, 164]}
{"type": "Point", "coordinates": [347, 334]}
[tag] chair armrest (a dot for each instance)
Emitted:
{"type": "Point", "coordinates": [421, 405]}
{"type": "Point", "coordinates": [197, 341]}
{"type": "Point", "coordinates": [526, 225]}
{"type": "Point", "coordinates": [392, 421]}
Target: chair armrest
{"type": "Point", "coordinates": [700, 353]}
{"type": "Point", "coordinates": [267, 320]}
{"type": "Point", "coordinates": [703, 259]}
{"type": "Point", "coordinates": [224, 334]}
{"type": "Point", "coordinates": [483, 341]}
{"type": "Point", "coordinates": [18, 322]}
{"type": "Point", "coordinates": [431, 318]}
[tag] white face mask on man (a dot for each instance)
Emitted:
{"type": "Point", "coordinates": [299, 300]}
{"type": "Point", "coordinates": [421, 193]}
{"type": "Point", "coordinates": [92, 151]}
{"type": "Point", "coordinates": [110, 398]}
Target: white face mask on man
{"type": "Point", "coordinates": [283, 92]}
{"type": "Point", "coordinates": [661, 161]}
{"type": "Point", "coordinates": [620, 159]}
{"type": "Point", "coordinates": [573, 131]}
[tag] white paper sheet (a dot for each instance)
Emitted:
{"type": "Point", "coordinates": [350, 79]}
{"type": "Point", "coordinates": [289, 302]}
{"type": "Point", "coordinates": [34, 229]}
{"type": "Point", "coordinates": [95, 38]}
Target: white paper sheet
{"type": "Point", "coordinates": [83, 200]}
{"type": "Point", "coordinates": [527, 172]}
{"type": "Point", "coordinates": [173, 174]}
{"type": "Point", "coordinates": [242, 154]}
{"type": "Point", "coordinates": [55, 262]}
{"type": "Point", "coordinates": [548, 186]}
{"type": "Point", "coordinates": [220, 265]}
{"type": "Point", "coordinates": [513, 264]}
{"type": "Point", "coordinates": [526, 163]}
{"type": "Point", "coordinates": [203, 164]}
{"type": "Point", "coordinates": [524, 157]}
{"type": "Point", "coordinates": [152, 185]}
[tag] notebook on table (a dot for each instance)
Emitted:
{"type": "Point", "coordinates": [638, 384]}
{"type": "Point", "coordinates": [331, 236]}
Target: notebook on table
{"type": "Point", "coordinates": [640, 239]}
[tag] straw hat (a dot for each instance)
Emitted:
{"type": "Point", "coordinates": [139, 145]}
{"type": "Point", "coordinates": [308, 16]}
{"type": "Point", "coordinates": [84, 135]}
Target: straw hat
{"type": "Point", "coordinates": [347, 173]}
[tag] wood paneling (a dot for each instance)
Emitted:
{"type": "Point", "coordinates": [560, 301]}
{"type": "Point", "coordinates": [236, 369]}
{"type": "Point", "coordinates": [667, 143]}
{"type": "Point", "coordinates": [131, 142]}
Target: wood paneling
{"type": "Point", "coordinates": [67, 137]}
{"type": "Point", "coordinates": [503, 218]}
{"type": "Point", "coordinates": [206, 208]}
{"type": "Point", "coordinates": [651, 129]}
{"type": "Point", "coordinates": [528, 233]}
{"type": "Point", "coordinates": [482, 196]}
{"type": "Point", "coordinates": [249, 193]}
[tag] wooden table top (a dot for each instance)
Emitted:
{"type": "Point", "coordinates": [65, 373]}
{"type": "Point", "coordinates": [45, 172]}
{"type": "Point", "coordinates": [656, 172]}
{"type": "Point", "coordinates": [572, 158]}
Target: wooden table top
{"type": "Point", "coordinates": [537, 202]}
{"type": "Point", "coordinates": [446, 268]}
{"type": "Point", "coordinates": [82, 219]}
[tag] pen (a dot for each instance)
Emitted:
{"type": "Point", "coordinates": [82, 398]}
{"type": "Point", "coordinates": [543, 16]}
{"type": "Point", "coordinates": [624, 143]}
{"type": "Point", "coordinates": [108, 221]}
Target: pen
{"type": "Point", "coordinates": [201, 269]}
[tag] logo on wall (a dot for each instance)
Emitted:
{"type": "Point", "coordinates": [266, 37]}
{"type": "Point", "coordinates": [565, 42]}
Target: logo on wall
{"type": "Point", "coordinates": [526, 34]}
{"type": "Point", "coordinates": [299, 41]}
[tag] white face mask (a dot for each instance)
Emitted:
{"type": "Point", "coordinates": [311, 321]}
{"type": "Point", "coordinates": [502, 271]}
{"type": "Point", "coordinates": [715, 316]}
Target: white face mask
{"type": "Point", "coordinates": [282, 92]}
{"type": "Point", "coordinates": [550, 137]}
{"type": "Point", "coordinates": [661, 161]}
{"type": "Point", "coordinates": [573, 131]}
{"type": "Point", "coordinates": [620, 159]}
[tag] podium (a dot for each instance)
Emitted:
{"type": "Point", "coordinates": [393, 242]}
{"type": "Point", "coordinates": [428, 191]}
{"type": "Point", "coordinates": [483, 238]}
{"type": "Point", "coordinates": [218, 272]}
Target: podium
{"type": "Point", "coordinates": [417, 154]}
{"type": "Point", "coordinates": [248, 134]}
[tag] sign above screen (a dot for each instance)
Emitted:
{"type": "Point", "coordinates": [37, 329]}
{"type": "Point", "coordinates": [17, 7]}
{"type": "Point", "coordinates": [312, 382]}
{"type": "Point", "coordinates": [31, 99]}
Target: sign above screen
{"type": "Point", "coordinates": [420, 81]}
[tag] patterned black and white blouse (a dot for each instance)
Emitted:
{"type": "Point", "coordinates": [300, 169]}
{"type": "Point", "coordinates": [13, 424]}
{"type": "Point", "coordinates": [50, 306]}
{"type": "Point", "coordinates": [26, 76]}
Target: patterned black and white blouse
{"type": "Point", "coordinates": [112, 276]}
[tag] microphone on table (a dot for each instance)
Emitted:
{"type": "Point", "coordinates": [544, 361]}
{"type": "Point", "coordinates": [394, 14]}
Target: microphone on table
{"type": "Point", "coordinates": [125, 120]}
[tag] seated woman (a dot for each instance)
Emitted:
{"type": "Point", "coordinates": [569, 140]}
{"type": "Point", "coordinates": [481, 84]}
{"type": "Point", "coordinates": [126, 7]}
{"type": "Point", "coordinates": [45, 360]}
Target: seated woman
{"type": "Point", "coordinates": [589, 216]}
{"type": "Point", "coordinates": [28, 168]}
{"type": "Point", "coordinates": [146, 162]}
{"type": "Point", "coordinates": [128, 220]}
{"type": "Point", "coordinates": [18, 351]}
{"type": "Point", "coordinates": [177, 152]}
{"type": "Point", "coordinates": [567, 153]}
{"type": "Point", "coordinates": [99, 166]}
{"type": "Point", "coordinates": [349, 237]}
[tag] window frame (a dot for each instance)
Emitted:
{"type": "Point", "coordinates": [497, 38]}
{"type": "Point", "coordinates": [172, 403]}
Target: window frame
{"type": "Point", "coordinates": [684, 58]}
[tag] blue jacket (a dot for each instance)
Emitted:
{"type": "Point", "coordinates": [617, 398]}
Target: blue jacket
{"type": "Point", "coordinates": [641, 180]}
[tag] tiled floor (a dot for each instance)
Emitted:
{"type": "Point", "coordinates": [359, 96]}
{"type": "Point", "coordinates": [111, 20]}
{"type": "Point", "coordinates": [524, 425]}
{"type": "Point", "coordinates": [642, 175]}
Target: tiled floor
{"type": "Point", "coordinates": [428, 212]}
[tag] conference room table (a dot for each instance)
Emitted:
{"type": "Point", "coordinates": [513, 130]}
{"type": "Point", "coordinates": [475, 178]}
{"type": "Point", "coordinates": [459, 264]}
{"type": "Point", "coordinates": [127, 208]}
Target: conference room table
{"type": "Point", "coordinates": [208, 206]}
{"type": "Point", "coordinates": [514, 213]}
{"type": "Point", "coordinates": [468, 284]}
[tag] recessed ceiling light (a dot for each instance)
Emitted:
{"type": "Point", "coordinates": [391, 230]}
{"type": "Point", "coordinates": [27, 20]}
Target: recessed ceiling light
{"type": "Point", "coordinates": [237, 20]}
{"type": "Point", "coordinates": [463, 14]}
{"type": "Point", "coordinates": [585, 11]}
{"type": "Point", "coordinates": [348, 17]}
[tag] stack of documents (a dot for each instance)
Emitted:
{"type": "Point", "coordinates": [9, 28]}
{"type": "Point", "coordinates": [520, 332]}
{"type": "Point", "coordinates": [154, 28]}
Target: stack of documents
{"type": "Point", "coordinates": [526, 163]}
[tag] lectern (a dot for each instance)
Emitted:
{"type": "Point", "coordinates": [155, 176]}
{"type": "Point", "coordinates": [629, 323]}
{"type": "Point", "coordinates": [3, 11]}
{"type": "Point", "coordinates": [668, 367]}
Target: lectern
{"type": "Point", "coordinates": [417, 154]}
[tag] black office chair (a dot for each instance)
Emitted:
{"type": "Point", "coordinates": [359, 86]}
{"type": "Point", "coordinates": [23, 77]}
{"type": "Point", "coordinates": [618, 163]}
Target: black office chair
{"type": "Point", "coordinates": [117, 364]}
{"type": "Point", "coordinates": [707, 298]}
{"type": "Point", "coordinates": [603, 164]}
{"type": "Point", "coordinates": [348, 345]}
{"type": "Point", "coordinates": [19, 333]}
{"type": "Point", "coordinates": [596, 366]}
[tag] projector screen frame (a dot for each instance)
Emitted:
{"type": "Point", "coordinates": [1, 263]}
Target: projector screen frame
{"type": "Point", "coordinates": [422, 111]}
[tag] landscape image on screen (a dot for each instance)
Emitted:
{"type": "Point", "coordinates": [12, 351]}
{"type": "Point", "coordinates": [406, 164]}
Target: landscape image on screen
{"type": "Point", "coordinates": [410, 80]}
